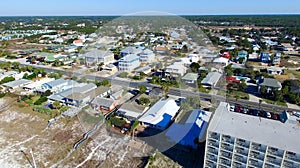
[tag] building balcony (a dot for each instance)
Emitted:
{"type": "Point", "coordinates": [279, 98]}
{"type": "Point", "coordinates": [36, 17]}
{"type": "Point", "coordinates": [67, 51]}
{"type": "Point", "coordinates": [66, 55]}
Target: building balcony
{"type": "Point", "coordinates": [214, 136]}
{"type": "Point", "coordinates": [238, 165]}
{"type": "Point", "coordinates": [274, 160]}
{"type": "Point", "coordinates": [212, 150]}
{"type": "Point", "coordinates": [240, 159]}
{"type": "Point", "coordinates": [226, 155]}
{"type": "Point", "coordinates": [289, 164]}
{"type": "Point", "coordinates": [293, 157]}
{"type": "Point", "coordinates": [255, 163]}
{"type": "Point", "coordinates": [257, 155]}
{"type": "Point", "coordinates": [258, 147]}
{"type": "Point", "coordinates": [225, 162]}
{"type": "Point", "coordinates": [243, 143]}
{"type": "Point", "coordinates": [275, 152]}
{"type": "Point", "coordinates": [241, 151]}
{"type": "Point", "coordinates": [213, 143]}
{"type": "Point", "coordinates": [210, 164]}
{"type": "Point", "coordinates": [212, 157]}
{"type": "Point", "coordinates": [227, 139]}
{"type": "Point", "coordinates": [227, 147]}
{"type": "Point", "coordinates": [267, 165]}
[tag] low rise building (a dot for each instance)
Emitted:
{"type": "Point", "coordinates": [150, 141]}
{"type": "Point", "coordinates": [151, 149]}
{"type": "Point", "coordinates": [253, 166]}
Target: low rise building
{"type": "Point", "coordinates": [269, 83]}
{"type": "Point", "coordinates": [147, 56]}
{"type": "Point", "coordinates": [129, 63]}
{"type": "Point", "coordinates": [176, 69]}
{"type": "Point", "coordinates": [211, 79]}
{"type": "Point", "coordinates": [99, 56]}
{"type": "Point", "coordinates": [160, 114]}
{"type": "Point", "coordinates": [13, 85]}
{"type": "Point", "coordinates": [190, 78]}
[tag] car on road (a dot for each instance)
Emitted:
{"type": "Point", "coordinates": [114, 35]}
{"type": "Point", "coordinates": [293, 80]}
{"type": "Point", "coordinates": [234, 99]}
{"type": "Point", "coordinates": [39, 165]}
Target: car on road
{"type": "Point", "coordinates": [231, 108]}
{"type": "Point", "coordinates": [253, 112]}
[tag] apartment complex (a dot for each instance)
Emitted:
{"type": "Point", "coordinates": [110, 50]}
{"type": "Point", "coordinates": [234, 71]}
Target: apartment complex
{"type": "Point", "coordinates": [241, 140]}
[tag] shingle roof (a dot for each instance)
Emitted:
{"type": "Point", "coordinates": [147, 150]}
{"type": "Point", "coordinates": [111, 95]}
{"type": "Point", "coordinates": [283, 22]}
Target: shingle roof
{"type": "Point", "coordinates": [270, 82]}
{"type": "Point", "coordinates": [211, 78]}
{"type": "Point", "coordinates": [190, 76]}
{"type": "Point", "coordinates": [98, 54]}
{"type": "Point", "coordinates": [17, 83]}
{"type": "Point", "coordinates": [101, 101]}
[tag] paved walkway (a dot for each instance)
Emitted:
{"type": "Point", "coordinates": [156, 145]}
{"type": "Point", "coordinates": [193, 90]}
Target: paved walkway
{"type": "Point", "coordinates": [294, 106]}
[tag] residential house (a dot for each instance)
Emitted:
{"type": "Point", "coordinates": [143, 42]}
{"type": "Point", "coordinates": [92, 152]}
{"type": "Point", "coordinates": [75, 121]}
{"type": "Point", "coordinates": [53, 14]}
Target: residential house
{"type": "Point", "coordinates": [242, 55]}
{"type": "Point", "coordinates": [147, 56]}
{"type": "Point", "coordinates": [78, 43]}
{"type": "Point", "coordinates": [274, 71]}
{"type": "Point", "coordinates": [194, 57]}
{"type": "Point", "coordinates": [176, 69]}
{"type": "Point", "coordinates": [36, 85]}
{"type": "Point", "coordinates": [130, 50]}
{"type": "Point", "coordinates": [160, 114]}
{"type": "Point", "coordinates": [131, 111]}
{"type": "Point", "coordinates": [276, 59]}
{"type": "Point", "coordinates": [226, 55]}
{"type": "Point", "coordinates": [211, 79]}
{"type": "Point", "coordinates": [99, 56]}
{"type": "Point", "coordinates": [190, 78]}
{"type": "Point", "coordinates": [58, 85]}
{"type": "Point", "coordinates": [222, 61]}
{"type": "Point", "coordinates": [129, 63]}
{"type": "Point", "coordinates": [269, 83]}
{"type": "Point", "coordinates": [105, 105]}
{"type": "Point", "coordinates": [162, 49]}
{"type": "Point", "coordinates": [13, 85]}
{"type": "Point", "coordinates": [264, 57]}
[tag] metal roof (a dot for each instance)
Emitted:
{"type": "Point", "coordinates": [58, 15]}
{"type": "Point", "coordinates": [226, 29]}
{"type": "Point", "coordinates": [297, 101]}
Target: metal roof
{"type": "Point", "coordinates": [190, 76]}
{"type": "Point", "coordinates": [211, 78]}
{"type": "Point", "coordinates": [17, 83]}
{"type": "Point", "coordinates": [265, 131]}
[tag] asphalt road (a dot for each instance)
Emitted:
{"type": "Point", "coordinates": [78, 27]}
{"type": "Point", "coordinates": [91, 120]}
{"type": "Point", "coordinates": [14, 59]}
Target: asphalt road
{"type": "Point", "coordinates": [172, 91]}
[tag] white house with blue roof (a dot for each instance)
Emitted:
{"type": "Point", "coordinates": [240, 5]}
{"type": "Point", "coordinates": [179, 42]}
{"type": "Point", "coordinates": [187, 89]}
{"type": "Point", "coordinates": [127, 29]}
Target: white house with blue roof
{"type": "Point", "coordinates": [160, 114]}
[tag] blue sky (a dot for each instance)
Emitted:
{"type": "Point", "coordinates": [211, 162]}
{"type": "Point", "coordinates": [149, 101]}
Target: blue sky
{"type": "Point", "coordinates": [120, 7]}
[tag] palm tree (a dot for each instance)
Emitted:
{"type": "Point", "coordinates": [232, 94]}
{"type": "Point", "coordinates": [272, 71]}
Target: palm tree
{"type": "Point", "coordinates": [260, 101]}
{"type": "Point", "coordinates": [165, 89]}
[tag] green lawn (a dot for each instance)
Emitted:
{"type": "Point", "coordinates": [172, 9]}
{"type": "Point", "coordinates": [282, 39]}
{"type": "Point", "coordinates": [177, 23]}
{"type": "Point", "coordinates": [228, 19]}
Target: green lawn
{"type": "Point", "coordinates": [238, 94]}
{"type": "Point", "coordinates": [279, 103]}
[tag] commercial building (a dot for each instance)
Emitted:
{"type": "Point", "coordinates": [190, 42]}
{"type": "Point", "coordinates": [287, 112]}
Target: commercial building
{"type": "Point", "coordinates": [242, 140]}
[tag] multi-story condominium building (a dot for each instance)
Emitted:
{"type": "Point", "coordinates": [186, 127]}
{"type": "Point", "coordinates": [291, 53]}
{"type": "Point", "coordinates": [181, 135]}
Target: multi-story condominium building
{"type": "Point", "coordinates": [129, 62]}
{"type": "Point", "coordinates": [241, 140]}
{"type": "Point", "coordinates": [147, 56]}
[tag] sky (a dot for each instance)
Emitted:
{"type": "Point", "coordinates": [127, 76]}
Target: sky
{"type": "Point", "coordinates": [125, 7]}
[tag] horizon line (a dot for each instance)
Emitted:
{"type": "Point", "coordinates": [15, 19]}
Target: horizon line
{"type": "Point", "coordinates": [120, 15]}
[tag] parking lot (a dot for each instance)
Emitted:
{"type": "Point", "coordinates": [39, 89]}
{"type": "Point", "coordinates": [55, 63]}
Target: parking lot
{"type": "Point", "coordinates": [254, 112]}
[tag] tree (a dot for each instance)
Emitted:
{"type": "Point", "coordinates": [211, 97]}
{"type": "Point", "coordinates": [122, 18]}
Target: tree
{"type": "Point", "coordinates": [243, 86]}
{"type": "Point", "coordinates": [194, 67]}
{"type": "Point", "coordinates": [165, 89]}
{"type": "Point", "coordinates": [142, 89]}
{"type": "Point", "coordinates": [56, 104]}
{"type": "Point", "coordinates": [144, 101]}
{"type": "Point", "coordinates": [47, 93]}
{"type": "Point", "coordinates": [263, 90]}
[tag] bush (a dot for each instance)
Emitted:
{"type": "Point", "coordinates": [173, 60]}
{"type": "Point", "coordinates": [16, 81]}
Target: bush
{"type": "Point", "coordinates": [41, 100]}
{"type": "Point", "coordinates": [117, 121]}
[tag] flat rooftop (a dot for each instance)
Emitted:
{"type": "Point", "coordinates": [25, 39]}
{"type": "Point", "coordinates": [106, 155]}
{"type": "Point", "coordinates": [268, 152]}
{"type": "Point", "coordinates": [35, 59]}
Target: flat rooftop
{"type": "Point", "coordinates": [256, 129]}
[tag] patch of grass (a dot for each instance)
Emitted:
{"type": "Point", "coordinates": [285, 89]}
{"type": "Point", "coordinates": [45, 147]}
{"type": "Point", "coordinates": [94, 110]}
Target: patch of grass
{"type": "Point", "coordinates": [279, 103]}
{"type": "Point", "coordinates": [238, 94]}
